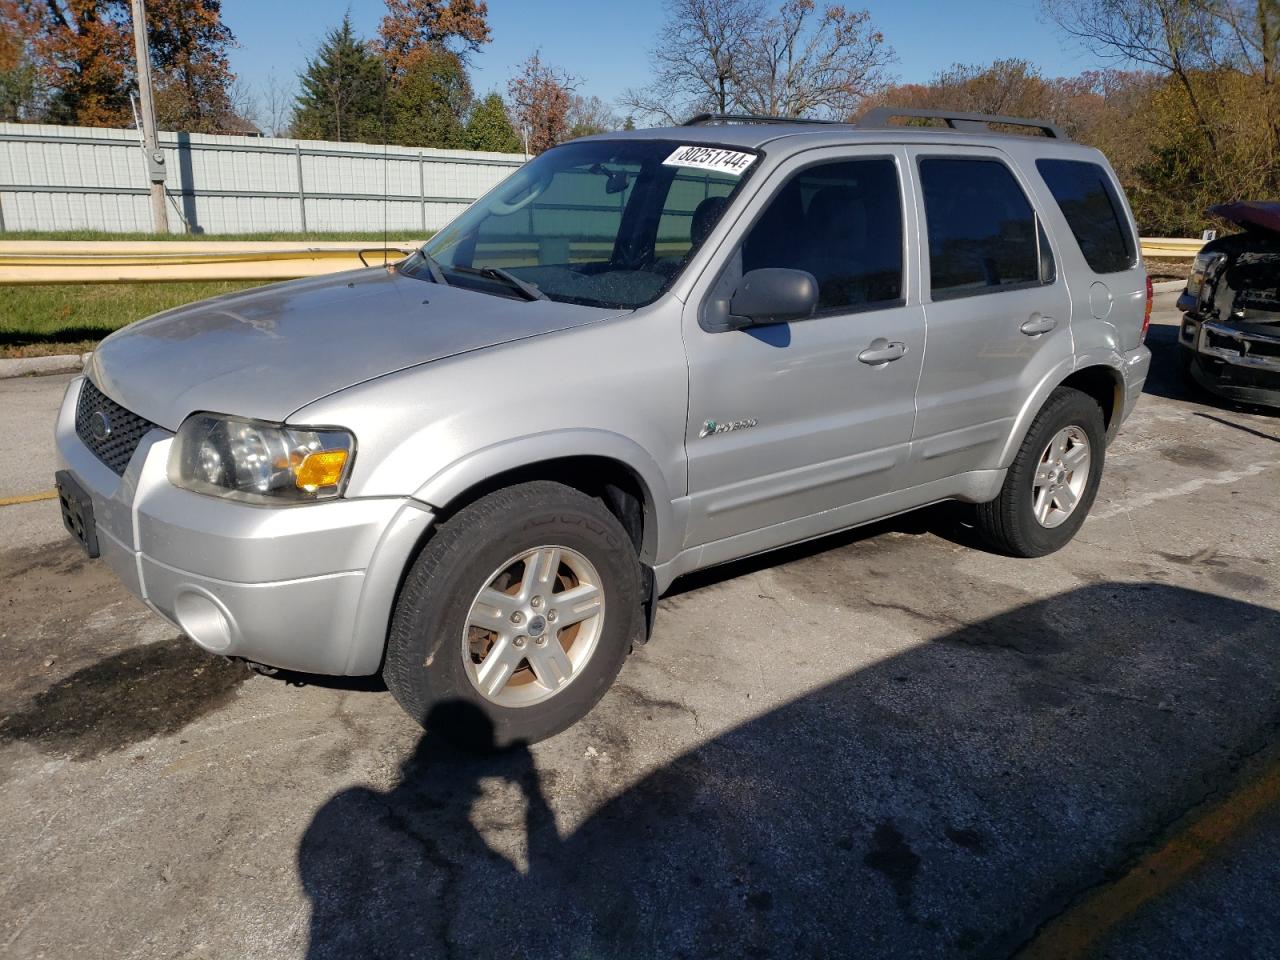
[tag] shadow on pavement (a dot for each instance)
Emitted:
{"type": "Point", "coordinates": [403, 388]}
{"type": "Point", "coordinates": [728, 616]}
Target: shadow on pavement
{"type": "Point", "coordinates": [945, 801]}
{"type": "Point", "coordinates": [1164, 379]}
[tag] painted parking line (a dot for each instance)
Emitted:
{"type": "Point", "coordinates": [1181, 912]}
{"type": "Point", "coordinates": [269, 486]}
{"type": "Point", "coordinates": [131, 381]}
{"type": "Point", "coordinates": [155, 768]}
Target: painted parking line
{"type": "Point", "coordinates": [28, 498]}
{"type": "Point", "coordinates": [1223, 478]}
{"type": "Point", "coordinates": [1078, 931]}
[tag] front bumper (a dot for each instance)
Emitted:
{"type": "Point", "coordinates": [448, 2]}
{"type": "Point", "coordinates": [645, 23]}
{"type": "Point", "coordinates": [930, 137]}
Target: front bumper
{"type": "Point", "coordinates": [1237, 364]}
{"type": "Point", "coordinates": [306, 587]}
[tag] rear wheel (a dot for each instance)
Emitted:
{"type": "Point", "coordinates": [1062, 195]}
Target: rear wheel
{"type": "Point", "coordinates": [1053, 480]}
{"type": "Point", "coordinates": [516, 617]}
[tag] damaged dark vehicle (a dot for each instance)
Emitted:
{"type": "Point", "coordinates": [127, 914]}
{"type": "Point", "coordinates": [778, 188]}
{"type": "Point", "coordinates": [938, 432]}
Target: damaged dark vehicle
{"type": "Point", "coordinates": [1230, 337]}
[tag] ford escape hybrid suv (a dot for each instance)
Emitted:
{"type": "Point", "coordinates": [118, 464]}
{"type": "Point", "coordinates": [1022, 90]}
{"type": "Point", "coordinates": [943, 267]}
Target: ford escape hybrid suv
{"type": "Point", "coordinates": [476, 470]}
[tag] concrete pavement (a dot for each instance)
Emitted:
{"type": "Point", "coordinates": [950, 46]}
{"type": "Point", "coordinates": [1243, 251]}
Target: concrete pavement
{"type": "Point", "coordinates": [887, 743]}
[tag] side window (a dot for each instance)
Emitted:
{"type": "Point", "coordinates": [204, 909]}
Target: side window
{"type": "Point", "coordinates": [984, 235]}
{"type": "Point", "coordinates": [842, 222]}
{"type": "Point", "coordinates": [1093, 212]}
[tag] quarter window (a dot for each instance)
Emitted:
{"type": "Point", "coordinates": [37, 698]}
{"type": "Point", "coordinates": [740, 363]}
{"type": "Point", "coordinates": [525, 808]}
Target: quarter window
{"type": "Point", "coordinates": [983, 232]}
{"type": "Point", "coordinates": [842, 222]}
{"type": "Point", "coordinates": [1093, 211]}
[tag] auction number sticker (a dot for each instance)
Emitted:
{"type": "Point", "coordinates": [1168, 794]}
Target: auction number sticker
{"type": "Point", "coordinates": [731, 162]}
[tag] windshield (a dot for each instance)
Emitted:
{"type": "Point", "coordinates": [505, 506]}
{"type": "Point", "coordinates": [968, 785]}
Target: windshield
{"type": "Point", "coordinates": [606, 223]}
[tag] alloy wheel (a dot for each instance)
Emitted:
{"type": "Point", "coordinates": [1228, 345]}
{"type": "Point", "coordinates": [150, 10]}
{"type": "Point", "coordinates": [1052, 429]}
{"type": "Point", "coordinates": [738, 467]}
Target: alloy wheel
{"type": "Point", "coordinates": [533, 626]}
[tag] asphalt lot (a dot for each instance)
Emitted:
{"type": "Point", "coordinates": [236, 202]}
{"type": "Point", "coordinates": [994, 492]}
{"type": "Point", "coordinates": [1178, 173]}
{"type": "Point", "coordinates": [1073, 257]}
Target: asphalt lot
{"type": "Point", "coordinates": [887, 743]}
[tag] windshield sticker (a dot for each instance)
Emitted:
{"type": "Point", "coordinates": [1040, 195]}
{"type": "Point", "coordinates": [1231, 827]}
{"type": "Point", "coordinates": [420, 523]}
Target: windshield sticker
{"type": "Point", "coordinates": [711, 158]}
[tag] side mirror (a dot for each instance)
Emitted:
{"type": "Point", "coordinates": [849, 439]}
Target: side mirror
{"type": "Point", "coordinates": [765, 296]}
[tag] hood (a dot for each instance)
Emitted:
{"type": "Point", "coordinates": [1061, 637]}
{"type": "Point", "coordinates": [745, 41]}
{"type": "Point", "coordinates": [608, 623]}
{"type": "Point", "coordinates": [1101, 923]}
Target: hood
{"type": "Point", "coordinates": [264, 353]}
{"type": "Point", "coordinates": [1253, 214]}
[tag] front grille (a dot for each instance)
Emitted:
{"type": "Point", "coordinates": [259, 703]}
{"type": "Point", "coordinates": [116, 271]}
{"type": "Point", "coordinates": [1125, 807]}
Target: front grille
{"type": "Point", "coordinates": [107, 428]}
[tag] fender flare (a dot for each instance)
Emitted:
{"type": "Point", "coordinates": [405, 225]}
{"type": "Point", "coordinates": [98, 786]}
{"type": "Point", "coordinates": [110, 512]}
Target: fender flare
{"type": "Point", "coordinates": [466, 472]}
{"type": "Point", "coordinates": [1053, 379]}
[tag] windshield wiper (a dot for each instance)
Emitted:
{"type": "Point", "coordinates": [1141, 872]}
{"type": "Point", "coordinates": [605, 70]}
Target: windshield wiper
{"type": "Point", "coordinates": [433, 267]}
{"type": "Point", "coordinates": [528, 290]}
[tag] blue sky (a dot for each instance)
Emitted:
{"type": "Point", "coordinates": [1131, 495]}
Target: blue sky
{"type": "Point", "coordinates": [605, 43]}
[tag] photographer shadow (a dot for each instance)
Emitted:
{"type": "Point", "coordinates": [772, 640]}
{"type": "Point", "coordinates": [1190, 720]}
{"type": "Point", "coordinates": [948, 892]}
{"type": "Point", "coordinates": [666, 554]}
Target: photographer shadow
{"type": "Point", "coordinates": [945, 801]}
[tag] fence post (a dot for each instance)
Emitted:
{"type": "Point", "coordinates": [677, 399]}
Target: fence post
{"type": "Point", "coordinates": [302, 197]}
{"type": "Point", "coordinates": [422, 189]}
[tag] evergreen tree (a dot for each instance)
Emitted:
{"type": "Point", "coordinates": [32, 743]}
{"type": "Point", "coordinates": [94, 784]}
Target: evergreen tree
{"type": "Point", "coordinates": [343, 91]}
{"type": "Point", "coordinates": [430, 98]}
{"type": "Point", "coordinates": [489, 127]}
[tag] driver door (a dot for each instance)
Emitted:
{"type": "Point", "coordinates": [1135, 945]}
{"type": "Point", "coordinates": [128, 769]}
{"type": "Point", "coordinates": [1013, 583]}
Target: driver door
{"type": "Point", "coordinates": [786, 422]}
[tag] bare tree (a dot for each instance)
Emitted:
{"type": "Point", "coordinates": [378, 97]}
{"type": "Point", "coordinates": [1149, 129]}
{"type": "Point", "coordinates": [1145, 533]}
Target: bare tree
{"type": "Point", "coordinates": [590, 115]}
{"type": "Point", "coordinates": [274, 103]}
{"type": "Point", "coordinates": [1181, 38]}
{"type": "Point", "coordinates": [806, 61]}
{"type": "Point", "coordinates": [726, 56]}
{"type": "Point", "coordinates": [698, 59]}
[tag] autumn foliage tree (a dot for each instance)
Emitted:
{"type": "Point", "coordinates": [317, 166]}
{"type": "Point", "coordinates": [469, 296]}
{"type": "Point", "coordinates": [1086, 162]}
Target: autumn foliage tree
{"type": "Point", "coordinates": [542, 96]}
{"type": "Point", "coordinates": [21, 90]}
{"type": "Point", "coordinates": [189, 45]}
{"type": "Point", "coordinates": [414, 26]}
{"type": "Point", "coordinates": [1214, 108]}
{"type": "Point", "coordinates": [82, 51]}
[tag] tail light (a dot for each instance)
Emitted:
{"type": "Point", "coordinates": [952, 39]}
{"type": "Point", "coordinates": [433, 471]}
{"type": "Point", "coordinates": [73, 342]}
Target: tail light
{"type": "Point", "coordinates": [1146, 316]}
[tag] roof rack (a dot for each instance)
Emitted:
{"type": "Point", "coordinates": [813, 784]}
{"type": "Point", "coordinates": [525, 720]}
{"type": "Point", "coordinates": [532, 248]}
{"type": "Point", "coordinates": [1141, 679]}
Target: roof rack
{"type": "Point", "coordinates": [879, 118]}
{"type": "Point", "coordinates": [705, 119]}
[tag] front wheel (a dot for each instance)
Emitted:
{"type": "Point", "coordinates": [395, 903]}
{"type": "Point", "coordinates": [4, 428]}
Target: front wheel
{"type": "Point", "coordinates": [516, 617]}
{"type": "Point", "coordinates": [1053, 480]}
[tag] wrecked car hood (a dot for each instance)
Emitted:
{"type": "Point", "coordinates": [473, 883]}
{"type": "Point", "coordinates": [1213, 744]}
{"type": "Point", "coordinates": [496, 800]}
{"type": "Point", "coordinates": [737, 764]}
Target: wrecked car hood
{"type": "Point", "coordinates": [266, 352]}
{"type": "Point", "coordinates": [1255, 214]}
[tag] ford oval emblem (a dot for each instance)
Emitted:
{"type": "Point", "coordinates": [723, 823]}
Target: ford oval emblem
{"type": "Point", "coordinates": [100, 425]}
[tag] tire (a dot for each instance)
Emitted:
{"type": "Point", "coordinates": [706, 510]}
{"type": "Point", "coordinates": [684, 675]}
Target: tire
{"type": "Point", "coordinates": [433, 671]}
{"type": "Point", "coordinates": [1008, 524]}
{"type": "Point", "coordinates": [1186, 360]}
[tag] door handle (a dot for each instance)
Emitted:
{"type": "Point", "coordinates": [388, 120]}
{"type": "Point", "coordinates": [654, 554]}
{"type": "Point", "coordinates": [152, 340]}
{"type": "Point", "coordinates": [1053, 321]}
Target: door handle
{"type": "Point", "coordinates": [882, 351]}
{"type": "Point", "coordinates": [1037, 325]}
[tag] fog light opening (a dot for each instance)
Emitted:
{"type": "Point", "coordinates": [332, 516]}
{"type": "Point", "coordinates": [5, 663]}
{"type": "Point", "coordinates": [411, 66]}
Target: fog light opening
{"type": "Point", "coordinates": [204, 620]}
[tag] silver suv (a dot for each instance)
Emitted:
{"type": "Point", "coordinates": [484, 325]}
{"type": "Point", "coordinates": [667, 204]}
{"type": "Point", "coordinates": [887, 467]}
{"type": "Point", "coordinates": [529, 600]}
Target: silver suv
{"type": "Point", "coordinates": [475, 471]}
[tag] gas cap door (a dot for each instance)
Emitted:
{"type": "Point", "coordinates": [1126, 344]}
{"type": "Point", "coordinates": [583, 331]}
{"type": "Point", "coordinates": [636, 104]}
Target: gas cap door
{"type": "Point", "coordinates": [1100, 300]}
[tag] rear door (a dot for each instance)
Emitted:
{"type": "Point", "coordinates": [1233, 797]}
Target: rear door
{"type": "Point", "coordinates": [792, 420]}
{"type": "Point", "coordinates": [996, 308]}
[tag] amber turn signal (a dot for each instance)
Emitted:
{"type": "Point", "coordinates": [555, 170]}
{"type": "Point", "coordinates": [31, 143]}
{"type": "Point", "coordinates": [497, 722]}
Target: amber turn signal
{"type": "Point", "coordinates": [320, 468]}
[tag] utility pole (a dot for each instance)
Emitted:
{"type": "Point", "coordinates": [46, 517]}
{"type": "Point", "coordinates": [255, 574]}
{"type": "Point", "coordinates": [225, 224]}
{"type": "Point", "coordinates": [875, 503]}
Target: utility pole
{"type": "Point", "coordinates": [150, 139]}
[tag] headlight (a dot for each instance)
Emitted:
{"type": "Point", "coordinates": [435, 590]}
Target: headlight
{"type": "Point", "coordinates": [1202, 269]}
{"type": "Point", "coordinates": [259, 462]}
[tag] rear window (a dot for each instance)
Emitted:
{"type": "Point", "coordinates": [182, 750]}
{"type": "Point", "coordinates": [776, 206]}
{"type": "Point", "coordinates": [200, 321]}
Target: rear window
{"type": "Point", "coordinates": [1093, 211]}
{"type": "Point", "coordinates": [983, 233]}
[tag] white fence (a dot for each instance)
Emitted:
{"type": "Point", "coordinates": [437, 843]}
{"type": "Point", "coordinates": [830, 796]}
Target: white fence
{"type": "Point", "coordinates": [62, 178]}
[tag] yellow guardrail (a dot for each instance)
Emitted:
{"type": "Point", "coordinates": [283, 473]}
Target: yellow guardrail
{"type": "Point", "coordinates": [112, 261]}
{"type": "Point", "coordinates": [69, 261]}
{"type": "Point", "coordinates": [1171, 246]}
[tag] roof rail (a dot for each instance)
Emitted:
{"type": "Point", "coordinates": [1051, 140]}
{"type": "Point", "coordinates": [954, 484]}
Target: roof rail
{"type": "Point", "coordinates": [879, 118]}
{"type": "Point", "coordinates": [704, 119]}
